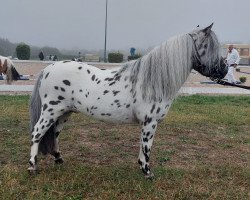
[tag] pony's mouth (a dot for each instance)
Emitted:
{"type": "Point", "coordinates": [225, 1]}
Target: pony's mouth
{"type": "Point", "coordinates": [221, 71]}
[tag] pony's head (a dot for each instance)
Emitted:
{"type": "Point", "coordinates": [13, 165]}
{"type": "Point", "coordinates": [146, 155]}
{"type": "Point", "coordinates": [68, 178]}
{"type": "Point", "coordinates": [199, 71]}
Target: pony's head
{"type": "Point", "coordinates": [206, 54]}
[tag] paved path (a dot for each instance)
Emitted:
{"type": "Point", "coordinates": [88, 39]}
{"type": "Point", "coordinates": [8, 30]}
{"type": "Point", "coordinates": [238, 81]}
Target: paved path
{"type": "Point", "coordinates": [184, 90]}
{"type": "Point", "coordinates": [210, 90]}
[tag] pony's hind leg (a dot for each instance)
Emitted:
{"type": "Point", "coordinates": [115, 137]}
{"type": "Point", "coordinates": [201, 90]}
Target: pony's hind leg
{"type": "Point", "coordinates": [46, 120]}
{"type": "Point", "coordinates": [57, 129]}
{"type": "Point", "coordinates": [147, 136]}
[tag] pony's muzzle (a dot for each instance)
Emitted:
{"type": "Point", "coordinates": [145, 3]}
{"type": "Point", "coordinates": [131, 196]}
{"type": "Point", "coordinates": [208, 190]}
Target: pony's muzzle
{"type": "Point", "coordinates": [220, 71]}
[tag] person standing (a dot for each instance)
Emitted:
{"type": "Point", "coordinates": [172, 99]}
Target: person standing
{"type": "Point", "coordinates": [232, 61]}
{"type": "Point", "coordinates": [41, 56]}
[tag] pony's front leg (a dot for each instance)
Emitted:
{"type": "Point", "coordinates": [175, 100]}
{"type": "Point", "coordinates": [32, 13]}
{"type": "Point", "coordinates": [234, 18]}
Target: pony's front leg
{"type": "Point", "coordinates": [147, 137]}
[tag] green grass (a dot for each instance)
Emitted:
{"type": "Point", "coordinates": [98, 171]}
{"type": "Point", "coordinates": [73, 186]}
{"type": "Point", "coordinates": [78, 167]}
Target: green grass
{"type": "Point", "coordinates": [201, 151]}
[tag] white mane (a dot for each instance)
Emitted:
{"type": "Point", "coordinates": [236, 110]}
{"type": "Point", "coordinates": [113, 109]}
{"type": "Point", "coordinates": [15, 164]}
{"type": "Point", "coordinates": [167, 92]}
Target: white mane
{"type": "Point", "coordinates": [162, 72]}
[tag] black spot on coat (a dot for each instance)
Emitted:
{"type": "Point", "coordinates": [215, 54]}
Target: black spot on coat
{"type": "Point", "coordinates": [47, 75]}
{"type": "Point", "coordinates": [41, 121]}
{"type": "Point", "coordinates": [105, 92]}
{"type": "Point", "coordinates": [115, 92]}
{"type": "Point", "coordinates": [45, 106]}
{"type": "Point", "coordinates": [54, 102]}
{"type": "Point", "coordinates": [60, 98]}
{"type": "Point", "coordinates": [112, 83]}
{"type": "Point", "coordinates": [66, 82]}
{"type": "Point", "coordinates": [153, 107]}
{"type": "Point", "coordinates": [158, 110]}
{"type": "Point", "coordinates": [62, 89]}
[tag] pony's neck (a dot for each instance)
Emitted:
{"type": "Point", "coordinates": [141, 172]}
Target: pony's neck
{"type": "Point", "coordinates": [166, 68]}
{"type": "Point", "coordinates": [160, 74]}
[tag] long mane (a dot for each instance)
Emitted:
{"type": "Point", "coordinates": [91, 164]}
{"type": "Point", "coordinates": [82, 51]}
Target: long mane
{"type": "Point", "coordinates": [160, 73]}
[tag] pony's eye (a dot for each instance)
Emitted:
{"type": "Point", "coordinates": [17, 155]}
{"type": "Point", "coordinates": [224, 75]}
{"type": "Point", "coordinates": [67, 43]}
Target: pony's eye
{"type": "Point", "coordinates": [203, 53]}
{"type": "Point", "coordinates": [205, 46]}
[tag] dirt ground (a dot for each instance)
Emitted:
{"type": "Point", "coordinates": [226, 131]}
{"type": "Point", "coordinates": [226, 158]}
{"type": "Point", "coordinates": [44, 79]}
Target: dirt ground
{"type": "Point", "coordinates": [32, 68]}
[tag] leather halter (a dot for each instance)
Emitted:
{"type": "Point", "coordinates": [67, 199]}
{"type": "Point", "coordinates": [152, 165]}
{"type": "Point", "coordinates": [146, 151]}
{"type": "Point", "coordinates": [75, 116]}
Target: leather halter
{"type": "Point", "coordinates": [197, 58]}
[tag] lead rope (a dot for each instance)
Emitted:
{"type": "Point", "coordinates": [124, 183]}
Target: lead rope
{"type": "Point", "coordinates": [225, 83]}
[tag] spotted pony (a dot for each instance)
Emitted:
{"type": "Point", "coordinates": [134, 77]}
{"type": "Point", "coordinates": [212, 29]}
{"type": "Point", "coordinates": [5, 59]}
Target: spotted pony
{"type": "Point", "coordinates": [7, 68]}
{"type": "Point", "coordinates": [140, 91]}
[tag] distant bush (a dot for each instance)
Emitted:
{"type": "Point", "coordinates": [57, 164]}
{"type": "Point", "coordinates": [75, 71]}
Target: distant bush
{"type": "Point", "coordinates": [243, 79]}
{"type": "Point", "coordinates": [115, 57]}
{"type": "Point", "coordinates": [23, 51]}
{"type": "Point", "coordinates": [136, 56]}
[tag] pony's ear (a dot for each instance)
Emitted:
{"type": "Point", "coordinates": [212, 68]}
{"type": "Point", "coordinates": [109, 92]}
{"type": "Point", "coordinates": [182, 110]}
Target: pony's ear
{"type": "Point", "coordinates": [207, 30]}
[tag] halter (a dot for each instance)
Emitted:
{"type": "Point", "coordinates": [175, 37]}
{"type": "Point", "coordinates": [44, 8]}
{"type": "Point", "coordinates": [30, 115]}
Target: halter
{"type": "Point", "coordinates": [197, 60]}
{"type": "Point", "coordinates": [197, 57]}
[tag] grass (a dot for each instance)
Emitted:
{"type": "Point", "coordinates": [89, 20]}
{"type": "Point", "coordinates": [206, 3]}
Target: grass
{"type": "Point", "coordinates": [201, 151]}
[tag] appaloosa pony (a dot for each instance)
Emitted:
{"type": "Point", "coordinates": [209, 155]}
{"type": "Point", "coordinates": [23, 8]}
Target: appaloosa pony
{"type": "Point", "coordinates": [140, 91]}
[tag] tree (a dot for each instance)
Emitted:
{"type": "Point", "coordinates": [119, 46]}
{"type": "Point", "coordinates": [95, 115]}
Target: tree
{"type": "Point", "coordinates": [23, 51]}
{"type": "Point", "coordinates": [115, 57]}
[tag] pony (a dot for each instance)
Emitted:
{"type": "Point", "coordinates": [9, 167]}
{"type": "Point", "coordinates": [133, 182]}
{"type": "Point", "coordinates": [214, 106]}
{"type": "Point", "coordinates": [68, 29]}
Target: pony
{"type": "Point", "coordinates": [7, 68]}
{"type": "Point", "coordinates": [139, 91]}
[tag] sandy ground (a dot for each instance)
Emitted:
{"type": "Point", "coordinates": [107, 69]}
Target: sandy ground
{"type": "Point", "coordinates": [32, 68]}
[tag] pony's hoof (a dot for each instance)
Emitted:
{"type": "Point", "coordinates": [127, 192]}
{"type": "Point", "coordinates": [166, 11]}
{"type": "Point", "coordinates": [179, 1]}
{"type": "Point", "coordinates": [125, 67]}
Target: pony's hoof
{"type": "Point", "coordinates": [150, 176]}
{"type": "Point", "coordinates": [59, 161]}
{"type": "Point", "coordinates": [32, 171]}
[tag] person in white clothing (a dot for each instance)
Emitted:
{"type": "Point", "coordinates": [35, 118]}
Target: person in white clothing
{"type": "Point", "coordinates": [232, 61]}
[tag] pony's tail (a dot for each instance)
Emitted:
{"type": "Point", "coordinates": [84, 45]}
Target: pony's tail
{"type": "Point", "coordinates": [12, 74]}
{"type": "Point", "coordinates": [47, 142]}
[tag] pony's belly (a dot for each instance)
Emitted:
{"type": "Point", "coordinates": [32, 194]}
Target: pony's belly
{"type": "Point", "coordinates": [114, 116]}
